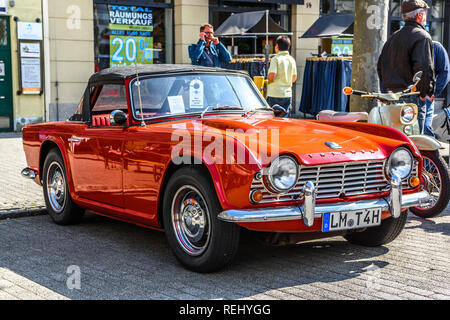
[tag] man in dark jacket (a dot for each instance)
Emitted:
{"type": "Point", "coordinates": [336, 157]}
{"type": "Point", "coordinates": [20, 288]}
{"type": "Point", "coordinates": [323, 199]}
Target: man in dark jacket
{"type": "Point", "coordinates": [208, 51]}
{"type": "Point", "coordinates": [408, 51]}
{"type": "Point", "coordinates": [442, 72]}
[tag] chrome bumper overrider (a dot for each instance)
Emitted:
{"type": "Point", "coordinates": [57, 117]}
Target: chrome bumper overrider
{"type": "Point", "coordinates": [310, 210]}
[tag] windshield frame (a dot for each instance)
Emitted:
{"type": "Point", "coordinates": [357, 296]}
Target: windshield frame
{"type": "Point", "coordinates": [190, 114]}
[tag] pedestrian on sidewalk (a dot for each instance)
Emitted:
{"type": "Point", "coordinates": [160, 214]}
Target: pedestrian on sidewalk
{"type": "Point", "coordinates": [208, 51]}
{"type": "Point", "coordinates": [282, 74]}
{"type": "Point", "coordinates": [442, 72]}
{"type": "Point", "coordinates": [406, 52]}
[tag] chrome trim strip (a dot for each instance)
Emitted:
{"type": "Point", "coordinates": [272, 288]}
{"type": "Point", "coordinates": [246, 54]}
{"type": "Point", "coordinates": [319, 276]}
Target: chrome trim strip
{"type": "Point", "coordinates": [297, 213]}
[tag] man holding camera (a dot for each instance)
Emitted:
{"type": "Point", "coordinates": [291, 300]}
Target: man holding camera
{"type": "Point", "coordinates": [208, 51]}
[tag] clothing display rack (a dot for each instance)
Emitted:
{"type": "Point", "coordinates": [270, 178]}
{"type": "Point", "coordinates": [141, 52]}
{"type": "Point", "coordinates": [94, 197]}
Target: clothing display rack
{"type": "Point", "coordinates": [323, 81]}
{"type": "Point", "coordinates": [255, 66]}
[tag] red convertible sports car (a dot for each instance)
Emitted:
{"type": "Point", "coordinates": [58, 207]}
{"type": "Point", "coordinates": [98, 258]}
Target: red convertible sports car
{"type": "Point", "coordinates": [197, 152]}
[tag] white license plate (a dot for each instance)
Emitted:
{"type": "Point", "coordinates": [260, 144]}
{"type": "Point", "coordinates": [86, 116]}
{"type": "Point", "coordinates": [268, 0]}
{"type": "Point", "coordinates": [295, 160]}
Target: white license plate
{"type": "Point", "coordinates": [332, 221]}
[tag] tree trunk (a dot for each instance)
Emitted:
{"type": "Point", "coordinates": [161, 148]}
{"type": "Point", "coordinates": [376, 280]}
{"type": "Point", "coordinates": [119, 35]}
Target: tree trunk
{"type": "Point", "coordinates": [370, 34]}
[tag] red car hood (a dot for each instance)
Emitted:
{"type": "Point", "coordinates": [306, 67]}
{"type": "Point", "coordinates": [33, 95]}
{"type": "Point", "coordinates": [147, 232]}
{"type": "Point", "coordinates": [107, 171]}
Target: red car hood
{"type": "Point", "coordinates": [307, 140]}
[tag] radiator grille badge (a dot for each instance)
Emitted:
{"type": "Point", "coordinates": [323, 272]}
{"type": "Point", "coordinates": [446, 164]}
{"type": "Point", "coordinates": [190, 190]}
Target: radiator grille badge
{"type": "Point", "coordinates": [333, 145]}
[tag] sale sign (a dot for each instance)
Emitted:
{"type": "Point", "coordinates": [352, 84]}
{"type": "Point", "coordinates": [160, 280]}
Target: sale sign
{"type": "Point", "coordinates": [131, 39]}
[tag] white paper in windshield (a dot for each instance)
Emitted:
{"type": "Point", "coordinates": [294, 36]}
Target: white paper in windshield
{"type": "Point", "coordinates": [176, 104]}
{"type": "Point", "coordinates": [196, 94]}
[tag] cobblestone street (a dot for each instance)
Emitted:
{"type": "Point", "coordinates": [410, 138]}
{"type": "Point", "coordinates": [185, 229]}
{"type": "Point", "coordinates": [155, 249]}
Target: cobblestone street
{"type": "Point", "coordinates": [116, 260]}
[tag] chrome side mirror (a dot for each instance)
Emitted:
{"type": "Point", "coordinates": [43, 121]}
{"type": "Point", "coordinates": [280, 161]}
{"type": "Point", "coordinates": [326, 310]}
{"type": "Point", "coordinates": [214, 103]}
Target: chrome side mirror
{"type": "Point", "coordinates": [278, 110]}
{"type": "Point", "coordinates": [118, 117]}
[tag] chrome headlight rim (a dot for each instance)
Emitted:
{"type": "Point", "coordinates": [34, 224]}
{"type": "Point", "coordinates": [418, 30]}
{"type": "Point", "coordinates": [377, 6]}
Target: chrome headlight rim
{"type": "Point", "coordinates": [389, 170]}
{"type": "Point", "coordinates": [269, 178]}
{"type": "Point", "coordinates": [405, 116]}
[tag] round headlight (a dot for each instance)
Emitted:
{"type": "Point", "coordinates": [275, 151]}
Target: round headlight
{"type": "Point", "coordinates": [283, 174]}
{"type": "Point", "coordinates": [407, 114]}
{"type": "Point", "coordinates": [400, 163]}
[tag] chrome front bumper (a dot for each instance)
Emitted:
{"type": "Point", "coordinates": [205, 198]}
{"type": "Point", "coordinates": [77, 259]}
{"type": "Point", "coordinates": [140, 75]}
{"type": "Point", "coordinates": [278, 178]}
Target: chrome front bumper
{"type": "Point", "coordinates": [309, 210]}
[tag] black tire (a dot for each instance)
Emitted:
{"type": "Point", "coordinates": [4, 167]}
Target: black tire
{"type": "Point", "coordinates": [387, 231]}
{"type": "Point", "coordinates": [198, 239]}
{"type": "Point", "coordinates": [435, 160]}
{"type": "Point", "coordinates": [58, 201]}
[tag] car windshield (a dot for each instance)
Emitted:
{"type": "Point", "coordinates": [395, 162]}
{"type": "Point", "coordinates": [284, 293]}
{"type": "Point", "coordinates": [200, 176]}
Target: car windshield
{"type": "Point", "coordinates": [194, 93]}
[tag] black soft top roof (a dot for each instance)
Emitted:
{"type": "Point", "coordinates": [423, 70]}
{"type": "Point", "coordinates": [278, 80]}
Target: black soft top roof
{"type": "Point", "coordinates": [119, 74]}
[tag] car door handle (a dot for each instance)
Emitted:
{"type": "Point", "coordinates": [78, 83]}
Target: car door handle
{"type": "Point", "coordinates": [74, 140]}
{"type": "Point", "coordinates": [2, 97]}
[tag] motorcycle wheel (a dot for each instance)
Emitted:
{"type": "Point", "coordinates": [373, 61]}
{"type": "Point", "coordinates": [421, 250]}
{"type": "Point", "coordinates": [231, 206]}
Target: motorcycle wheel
{"type": "Point", "coordinates": [436, 172]}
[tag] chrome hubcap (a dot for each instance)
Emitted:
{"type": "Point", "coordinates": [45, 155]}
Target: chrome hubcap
{"type": "Point", "coordinates": [433, 179]}
{"type": "Point", "coordinates": [190, 220]}
{"type": "Point", "coordinates": [56, 187]}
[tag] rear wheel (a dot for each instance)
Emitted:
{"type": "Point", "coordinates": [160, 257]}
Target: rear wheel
{"type": "Point", "coordinates": [387, 231]}
{"type": "Point", "coordinates": [199, 240]}
{"type": "Point", "coordinates": [435, 173]}
{"type": "Point", "coordinates": [57, 198]}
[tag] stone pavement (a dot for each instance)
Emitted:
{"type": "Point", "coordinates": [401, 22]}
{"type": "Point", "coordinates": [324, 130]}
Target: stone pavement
{"type": "Point", "coordinates": [116, 260]}
{"type": "Point", "coordinates": [17, 194]}
{"type": "Point", "coordinates": [106, 259]}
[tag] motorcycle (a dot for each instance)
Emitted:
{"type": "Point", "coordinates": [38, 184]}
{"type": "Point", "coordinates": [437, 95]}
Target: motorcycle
{"type": "Point", "coordinates": [403, 117]}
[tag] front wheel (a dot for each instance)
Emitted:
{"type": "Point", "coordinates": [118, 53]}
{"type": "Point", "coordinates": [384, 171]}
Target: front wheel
{"type": "Point", "coordinates": [387, 231]}
{"type": "Point", "coordinates": [436, 176]}
{"type": "Point", "coordinates": [199, 240]}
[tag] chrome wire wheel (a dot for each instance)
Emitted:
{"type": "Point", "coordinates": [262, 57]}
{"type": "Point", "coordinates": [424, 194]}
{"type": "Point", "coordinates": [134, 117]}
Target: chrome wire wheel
{"type": "Point", "coordinates": [433, 180]}
{"type": "Point", "coordinates": [190, 220]}
{"type": "Point", "coordinates": [56, 187]}
{"type": "Point", "coordinates": [436, 182]}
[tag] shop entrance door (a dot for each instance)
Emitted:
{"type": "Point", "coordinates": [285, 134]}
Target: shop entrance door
{"type": "Point", "coordinates": [6, 108]}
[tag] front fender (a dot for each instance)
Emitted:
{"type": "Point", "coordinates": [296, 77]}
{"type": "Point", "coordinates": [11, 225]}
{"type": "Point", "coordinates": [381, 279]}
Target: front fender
{"type": "Point", "coordinates": [426, 143]}
{"type": "Point", "coordinates": [230, 163]}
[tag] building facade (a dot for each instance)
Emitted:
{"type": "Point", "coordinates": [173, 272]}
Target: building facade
{"type": "Point", "coordinates": [79, 37]}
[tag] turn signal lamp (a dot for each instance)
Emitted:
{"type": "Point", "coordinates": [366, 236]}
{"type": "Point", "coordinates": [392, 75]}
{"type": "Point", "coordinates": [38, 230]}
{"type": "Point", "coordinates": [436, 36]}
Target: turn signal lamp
{"type": "Point", "coordinates": [256, 196]}
{"type": "Point", "coordinates": [414, 181]}
{"type": "Point", "coordinates": [347, 91]}
{"type": "Point", "coordinates": [414, 89]}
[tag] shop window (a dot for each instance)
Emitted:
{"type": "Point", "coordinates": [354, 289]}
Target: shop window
{"type": "Point", "coordinates": [325, 7]}
{"type": "Point", "coordinates": [437, 10]}
{"type": "Point", "coordinates": [221, 10]}
{"type": "Point", "coordinates": [396, 8]}
{"type": "Point", "coordinates": [344, 6]}
{"type": "Point", "coordinates": [125, 35]}
{"type": "Point", "coordinates": [437, 31]}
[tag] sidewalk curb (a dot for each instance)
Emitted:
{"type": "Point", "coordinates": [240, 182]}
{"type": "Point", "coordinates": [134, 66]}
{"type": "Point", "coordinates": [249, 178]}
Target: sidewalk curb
{"type": "Point", "coordinates": [20, 213]}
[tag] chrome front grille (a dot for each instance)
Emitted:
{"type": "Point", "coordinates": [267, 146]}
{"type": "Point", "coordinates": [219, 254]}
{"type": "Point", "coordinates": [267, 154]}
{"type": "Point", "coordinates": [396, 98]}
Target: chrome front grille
{"type": "Point", "coordinates": [334, 180]}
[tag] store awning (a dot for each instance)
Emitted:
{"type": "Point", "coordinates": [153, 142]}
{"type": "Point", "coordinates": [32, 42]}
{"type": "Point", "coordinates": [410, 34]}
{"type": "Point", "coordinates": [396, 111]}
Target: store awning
{"type": "Point", "coordinates": [248, 23]}
{"type": "Point", "coordinates": [272, 1]}
{"type": "Point", "coordinates": [331, 25]}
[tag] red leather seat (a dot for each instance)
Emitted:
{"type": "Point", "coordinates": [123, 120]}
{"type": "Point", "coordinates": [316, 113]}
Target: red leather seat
{"type": "Point", "coordinates": [100, 120]}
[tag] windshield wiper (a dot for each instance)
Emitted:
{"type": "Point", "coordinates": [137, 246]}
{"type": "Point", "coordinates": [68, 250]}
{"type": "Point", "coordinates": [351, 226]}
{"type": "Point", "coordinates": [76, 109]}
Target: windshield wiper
{"type": "Point", "coordinates": [220, 108]}
{"type": "Point", "coordinates": [253, 111]}
{"type": "Point", "coordinates": [228, 108]}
